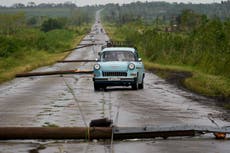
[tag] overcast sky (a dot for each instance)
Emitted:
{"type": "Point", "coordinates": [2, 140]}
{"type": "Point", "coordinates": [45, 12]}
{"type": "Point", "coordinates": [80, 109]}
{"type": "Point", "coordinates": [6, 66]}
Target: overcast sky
{"type": "Point", "coordinates": [92, 2]}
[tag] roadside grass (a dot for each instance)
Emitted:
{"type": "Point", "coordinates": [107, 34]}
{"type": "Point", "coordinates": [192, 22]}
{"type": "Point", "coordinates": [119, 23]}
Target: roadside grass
{"type": "Point", "coordinates": [12, 65]}
{"type": "Point", "coordinates": [227, 106]}
{"type": "Point", "coordinates": [200, 82]}
{"type": "Point", "coordinates": [27, 60]}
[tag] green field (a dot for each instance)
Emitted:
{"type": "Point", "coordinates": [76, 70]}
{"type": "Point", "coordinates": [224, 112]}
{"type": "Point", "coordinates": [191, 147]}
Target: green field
{"type": "Point", "coordinates": [27, 43]}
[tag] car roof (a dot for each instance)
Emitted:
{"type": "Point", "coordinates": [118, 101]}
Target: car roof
{"type": "Point", "coordinates": [119, 49]}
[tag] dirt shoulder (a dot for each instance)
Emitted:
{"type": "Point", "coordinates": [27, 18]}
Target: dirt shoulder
{"type": "Point", "coordinates": [186, 80]}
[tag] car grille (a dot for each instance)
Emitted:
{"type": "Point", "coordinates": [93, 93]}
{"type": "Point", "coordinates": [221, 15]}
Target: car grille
{"type": "Point", "coordinates": [114, 73]}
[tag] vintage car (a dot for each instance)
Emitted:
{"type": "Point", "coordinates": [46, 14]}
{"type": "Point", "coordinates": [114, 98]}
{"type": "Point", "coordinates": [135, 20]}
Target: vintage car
{"type": "Point", "coordinates": [118, 66]}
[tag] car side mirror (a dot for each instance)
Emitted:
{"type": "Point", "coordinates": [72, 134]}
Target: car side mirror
{"type": "Point", "coordinates": [139, 60]}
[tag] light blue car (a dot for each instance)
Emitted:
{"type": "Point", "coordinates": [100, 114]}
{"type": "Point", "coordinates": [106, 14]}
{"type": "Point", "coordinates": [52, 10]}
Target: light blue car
{"type": "Point", "coordinates": [118, 66]}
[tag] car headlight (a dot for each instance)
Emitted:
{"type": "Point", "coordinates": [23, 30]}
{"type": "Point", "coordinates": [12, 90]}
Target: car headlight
{"type": "Point", "coordinates": [131, 66]}
{"type": "Point", "coordinates": [97, 66]}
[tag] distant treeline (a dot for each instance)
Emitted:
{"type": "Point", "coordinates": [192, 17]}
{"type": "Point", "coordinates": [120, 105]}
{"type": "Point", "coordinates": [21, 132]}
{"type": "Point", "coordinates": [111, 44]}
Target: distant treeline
{"type": "Point", "coordinates": [49, 11]}
{"type": "Point", "coordinates": [41, 5]}
{"type": "Point", "coordinates": [163, 11]}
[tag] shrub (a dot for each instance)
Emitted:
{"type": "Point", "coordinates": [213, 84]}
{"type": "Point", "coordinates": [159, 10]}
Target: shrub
{"type": "Point", "coordinates": [52, 24]}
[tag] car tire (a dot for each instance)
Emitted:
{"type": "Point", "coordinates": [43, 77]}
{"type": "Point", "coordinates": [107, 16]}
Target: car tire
{"type": "Point", "coordinates": [141, 85]}
{"type": "Point", "coordinates": [96, 87]}
{"type": "Point", "coordinates": [135, 86]}
{"type": "Point", "coordinates": [103, 87]}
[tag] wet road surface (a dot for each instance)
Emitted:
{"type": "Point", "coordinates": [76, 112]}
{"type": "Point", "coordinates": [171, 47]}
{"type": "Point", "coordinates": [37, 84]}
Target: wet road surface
{"type": "Point", "coordinates": [70, 100]}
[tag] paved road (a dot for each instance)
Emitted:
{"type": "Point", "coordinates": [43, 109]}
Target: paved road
{"type": "Point", "coordinates": [71, 101]}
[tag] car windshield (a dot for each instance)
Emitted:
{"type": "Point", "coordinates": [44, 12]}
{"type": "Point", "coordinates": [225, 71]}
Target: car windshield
{"type": "Point", "coordinates": [118, 56]}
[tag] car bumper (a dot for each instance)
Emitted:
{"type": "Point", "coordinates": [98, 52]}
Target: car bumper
{"type": "Point", "coordinates": [115, 81]}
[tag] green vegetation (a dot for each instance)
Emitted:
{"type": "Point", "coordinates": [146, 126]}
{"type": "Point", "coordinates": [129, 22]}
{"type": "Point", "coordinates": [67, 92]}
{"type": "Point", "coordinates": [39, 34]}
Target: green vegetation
{"type": "Point", "coordinates": [203, 83]}
{"type": "Point", "coordinates": [35, 49]}
{"type": "Point", "coordinates": [52, 24]}
{"type": "Point", "coordinates": [227, 106]}
{"type": "Point", "coordinates": [194, 43]}
{"type": "Point", "coordinates": [27, 43]}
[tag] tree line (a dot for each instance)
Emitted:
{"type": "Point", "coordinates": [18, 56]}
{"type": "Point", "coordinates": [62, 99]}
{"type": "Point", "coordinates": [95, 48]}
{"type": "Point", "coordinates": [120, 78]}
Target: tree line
{"type": "Point", "coordinates": [41, 5]}
{"type": "Point", "coordinates": [150, 11]}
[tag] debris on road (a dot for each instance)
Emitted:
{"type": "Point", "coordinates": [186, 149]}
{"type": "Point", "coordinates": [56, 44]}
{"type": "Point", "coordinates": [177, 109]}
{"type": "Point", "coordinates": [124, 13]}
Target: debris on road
{"type": "Point", "coordinates": [104, 122]}
{"type": "Point", "coordinates": [54, 73]}
{"type": "Point", "coordinates": [19, 133]}
{"type": "Point", "coordinates": [82, 46]}
{"type": "Point", "coordinates": [120, 133]}
{"type": "Point", "coordinates": [72, 61]}
{"type": "Point", "coordinates": [91, 39]}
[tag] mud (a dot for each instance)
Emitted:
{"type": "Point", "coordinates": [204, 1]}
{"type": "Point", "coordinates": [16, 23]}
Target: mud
{"type": "Point", "coordinates": [70, 101]}
{"type": "Point", "coordinates": [177, 78]}
{"type": "Point", "coordinates": [173, 77]}
{"type": "Point", "coordinates": [40, 147]}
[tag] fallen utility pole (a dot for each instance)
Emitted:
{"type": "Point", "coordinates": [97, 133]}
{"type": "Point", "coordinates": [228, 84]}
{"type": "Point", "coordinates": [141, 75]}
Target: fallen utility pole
{"type": "Point", "coordinates": [54, 73]}
{"type": "Point", "coordinates": [88, 45]}
{"type": "Point", "coordinates": [85, 44]}
{"type": "Point", "coordinates": [91, 44]}
{"type": "Point", "coordinates": [91, 40]}
{"type": "Point", "coordinates": [13, 133]}
{"type": "Point", "coordinates": [165, 132]}
{"type": "Point", "coordinates": [72, 61]}
{"type": "Point", "coordinates": [7, 133]}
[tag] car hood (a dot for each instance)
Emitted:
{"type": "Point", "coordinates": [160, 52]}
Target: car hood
{"type": "Point", "coordinates": [114, 66]}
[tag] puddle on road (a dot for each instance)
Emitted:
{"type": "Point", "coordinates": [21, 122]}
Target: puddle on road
{"type": "Point", "coordinates": [175, 145]}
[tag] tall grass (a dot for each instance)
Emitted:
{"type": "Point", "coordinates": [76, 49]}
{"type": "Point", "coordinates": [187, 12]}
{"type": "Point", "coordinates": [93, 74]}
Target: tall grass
{"type": "Point", "coordinates": [207, 48]}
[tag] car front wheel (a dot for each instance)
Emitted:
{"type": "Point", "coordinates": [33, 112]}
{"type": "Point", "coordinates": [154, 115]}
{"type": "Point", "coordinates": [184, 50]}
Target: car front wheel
{"type": "Point", "coordinates": [96, 87]}
{"type": "Point", "coordinates": [141, 85]}
{"type": "Point", "coordinates": [135, 86]}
